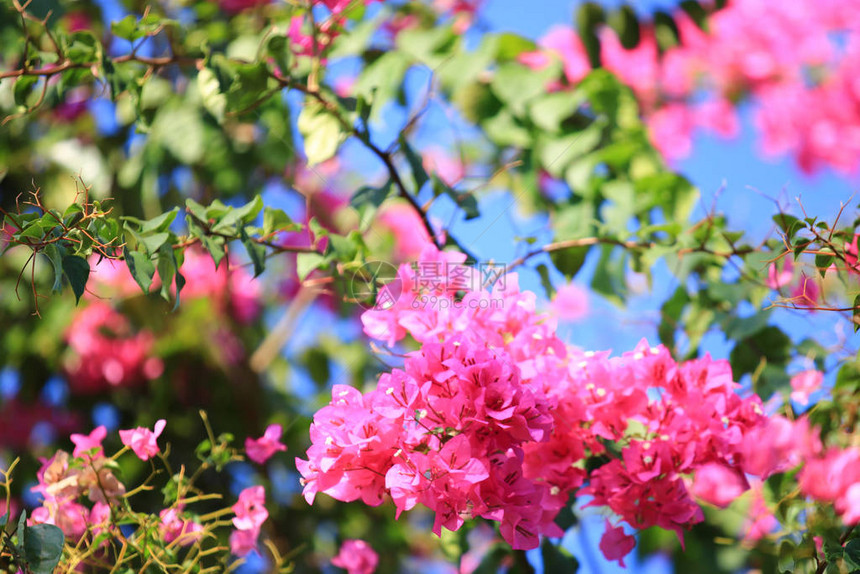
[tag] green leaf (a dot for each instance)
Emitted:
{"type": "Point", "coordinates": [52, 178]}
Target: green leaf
{"type": "Point", "coordinates": [211, 95]}
{"type": "Point", "coordinates": [464, 200]}
{"type": "Point", "coordinates": [321, 132]}
{"type": "Point", "coordinates": [785, 222]}
{"type": "Point", "coordinates": [240, 215]}
{"type": "Point", "coordinates": [666, 31]}
{"type": "Point", "coordinates": [279, 50]}
{"type": "Point", "coordinates": [125, 28]}
{"type": "Point", "coordinates": [344, 248]}
{"type": "Point", "coordinates": [180, 130]}
{"type": "Point", "coordinates": [73, 214]}
{"type": "Point", "coordinates": [275, 220]}
{"type": "Point", "coordinates": [141, 267]}
{"type": "Point", "coordinates": [256, 252]}
{"type": "Point", "coordinates": [545, 281]}
{"type": "Point", "coordinates": [21, 531]}
{"type": "Point", "coordinates": [77, 270]}
{"type": "Point", "coordinates": [768, 349]}
{"type": "Point", "coordinates": [833, 551]}
{"type": "Point", "coordinates": [308, 262]}
{"type": "Point", "coordinates": [589, 18]}
{"type": "Point", "coordinates": [610, 275]}
{"type": "Point", "coordinates": [851, 554]}
{"type": "Point", "coordinates": [785, 558]}
{"type": "Point", "coordinates": [82, 47]}
{"type": "Point", "coordinates": [250, 83]}
{"type": "Point", "coordinates": [419, 174]}
{"type": "Point", "coordinates": [696, 13]}
{"type": "Point", "coordinates": [32, 231]}
{"type": "Point", "coordinates": [549, 111]}
{"type": "Point", "coordinates": [510, 46]}
{"type": "Point", "coordinates": [557, 559]}
{"type": "Point", "coordinates": [493, 559]}
{"type": "Point", "coordinates": [626, 25]}
{"type": "Point", "coordinates": [168, 271]}
{"type": "Point", "coordinates": [152, 243]}
{"type": "Point", "coordinates": [131, 29]}
{"type": "Point", "coordinates": [380, 80]}
{"type": "Point", "coordinates": [158, 224]}
{"type": "Point", "coordinates": [214, 244]}
{"type": "Point", "coordinates": [317, 362]}
{"type": "Point", "coordinates": [855, 317]}
{"type": "Point", "coordinates": [367, 200]}
{"type": "Point", "coordinates": [22, 89]}
{"type": "Point", "coordinates": [800, 246]}
{"type": "Point", "coordinates": [569, 261]}
{"type": "Point", "coordinates": [55, 256]}
{"type": "Point", "coordinates": [566, 518]}
{"type": "Point", "coordinates": [515, 85]}
{"type": "Point", "coordinates": [43, 548]}
{"type": "Point", "coordinates": [823, 261]}
{"type": "Point", "coordinates": [197, 210]}
{"type": "Point", "coordinates": [557, 152]}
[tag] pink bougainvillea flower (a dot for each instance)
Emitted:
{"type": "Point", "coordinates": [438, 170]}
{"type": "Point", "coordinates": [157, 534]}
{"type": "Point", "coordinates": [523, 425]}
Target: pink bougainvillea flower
{"type": "Point", "coordinates": [670, 128]}
{"type": "Point", "coordinates": [445, 166]}
{"type": "Point", "coordinates": [142, 440]}
{"type": "Point", "coordinates": [851, 251]}
{"type": "Point", "coordinates": [615, 544]}
{"type": "Point", "coordinates": [106, 351]}
{"type": "Point", "coordinates": [250, 510]}
{"type": "Point", "coordinates": [805, 383]}
{"type": "Point", "coordinates": [356, 557]}
{"type": "Point", "coordinates": [566, 45]}
{"type": "Point", "coordinates": [778, 279]}
{"type": "Point", "coordinates": [570, 302]}
{"type": "Point", "coordinates": [806, 293]}
{"type": "Point", "coordinates": [760, 520]}
{"type": "Point", "coordinates": [235, 6]}
{"type": "Point", "coordinates": [250, 516]}
{"type": "Point", "coordinates": [174, 527]}
{"type": "Point", "coordinates": [718, 484]}
{"type": "Point", "coordinates": [260, 450]}
{"type": "Point", "coordinates": [243, 542]}
{"type": "Point", "coordinates": [87, 442]}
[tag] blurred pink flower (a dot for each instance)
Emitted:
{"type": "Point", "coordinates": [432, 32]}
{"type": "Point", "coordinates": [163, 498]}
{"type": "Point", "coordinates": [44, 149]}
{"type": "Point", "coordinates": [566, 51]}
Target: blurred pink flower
{"type": "Point", "coordinates": [717, 484]}
{"type": "Point", "coordinates": [779, 279]}
{"type": "Point", "coordinates": [851, 252]}
{"type": "Point", "coordinates": [760, 520]}
{"type": "Point", "coordinates": [174, 527]}
{"type": "Point", "coordinates": [410, 235]}
{"type": "Point", "coordinates": [570, 302]}
{"type": "Point", "coordinates": [615, 544]}
{"type": "Point", "coordinates": [250, 516]}
{"type": "Point", "coordinates": [806, 293]}
{"type": "Point", "coordinates": [670, 128]}
{"type": "Point", "coordinates": [235, 6]}
{"type": "Point", "coordinates": [260, 450]}
{"type": "Point", "coordinates": [356, 557]}
{"type": "Point", "coordinates": [442, 164]}
{"type": "Point", "coordinates": [805, 383]}
{"type": "Point", "coordinates": [565, 44]}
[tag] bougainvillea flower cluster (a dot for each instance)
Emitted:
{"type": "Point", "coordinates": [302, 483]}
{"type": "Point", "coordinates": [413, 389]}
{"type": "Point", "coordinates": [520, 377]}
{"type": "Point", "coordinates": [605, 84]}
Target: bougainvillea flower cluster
{"type": "Point", "coordinates": [80, 494]}
{"type": "Point", "coordinates": [799, 70]}
{"type": "Point", "coordinates": [494, 417]}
